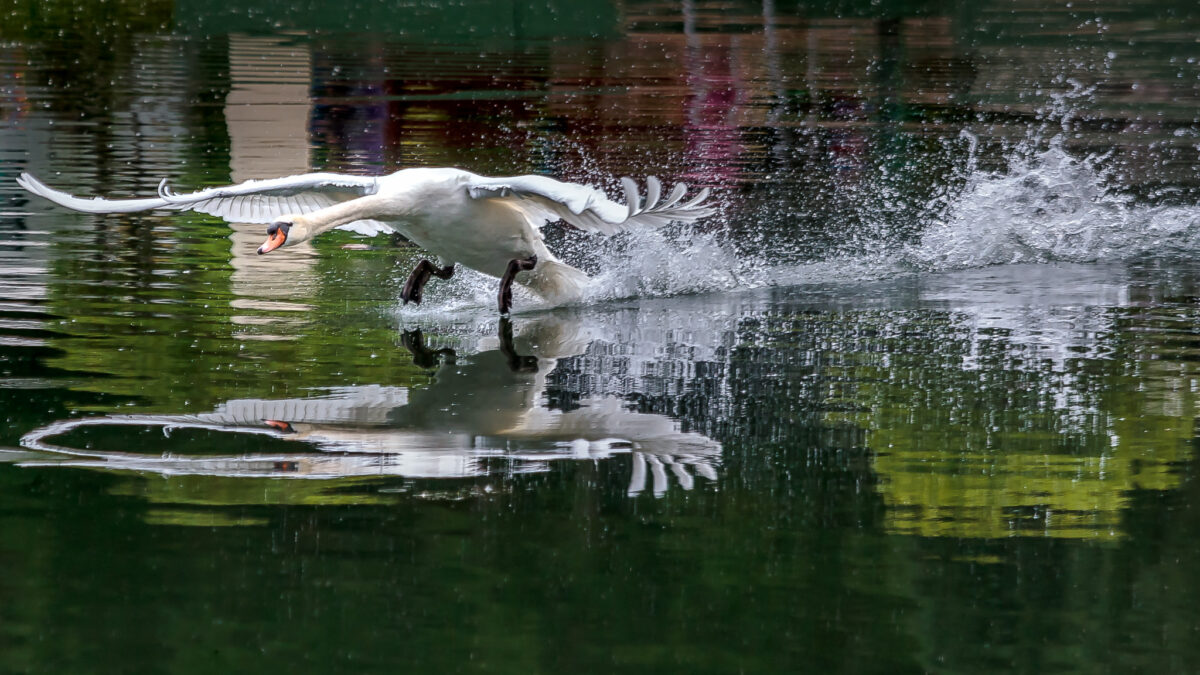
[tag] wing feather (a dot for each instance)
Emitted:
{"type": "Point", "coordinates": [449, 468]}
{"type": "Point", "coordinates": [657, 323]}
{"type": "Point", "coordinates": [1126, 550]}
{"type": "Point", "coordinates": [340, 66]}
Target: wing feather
{"type": "Point", "coordinates": [677, 193]}
{"type": "Point", "coordinates": [545, 199]}
{"type": "Point", "coordinates": [632, 199]}
{"type": "Point", "coordinates": [653, 192]}
{"type": "Point", "coordinates": [696, 202]}
{"type": "Point", "coordinates": [309, 202]}
{"type": "Point", "coordinates": [240, 210]}
{"type": "Point", "coordinates": [254, 201]}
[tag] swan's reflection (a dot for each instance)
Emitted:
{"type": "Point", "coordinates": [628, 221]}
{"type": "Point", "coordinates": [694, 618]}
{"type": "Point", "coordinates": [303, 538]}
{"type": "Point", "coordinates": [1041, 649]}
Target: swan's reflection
{"type": "Point", "coordinates": [481, 415]}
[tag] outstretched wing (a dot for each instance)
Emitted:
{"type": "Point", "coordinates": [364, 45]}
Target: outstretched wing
{"type": "Point", "coordinates": [590, 209]}
{"type": "Point", "coordinates": [254, 201]}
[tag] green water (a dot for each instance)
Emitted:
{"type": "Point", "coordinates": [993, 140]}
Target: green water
{"type": "Point", "coordinates": [922, 398]}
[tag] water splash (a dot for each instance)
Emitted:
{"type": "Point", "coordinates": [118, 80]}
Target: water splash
{"type": "Point", "coordinates": [1050, 207]}
{"type": "Point", "coordinates": [645, 264]}
{"type": "Point", "coordinates": [1046, 206]}
{"type": "Point", "coordinates": [657, 263]}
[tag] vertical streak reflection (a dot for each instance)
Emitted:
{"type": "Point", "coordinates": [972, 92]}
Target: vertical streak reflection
{"type": "Point", "coordinates": [267, 112]}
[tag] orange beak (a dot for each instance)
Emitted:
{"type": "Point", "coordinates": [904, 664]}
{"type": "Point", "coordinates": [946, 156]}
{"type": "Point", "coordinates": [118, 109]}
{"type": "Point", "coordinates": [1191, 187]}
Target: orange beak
{"type": "Point", "coordinates": [274, 241]}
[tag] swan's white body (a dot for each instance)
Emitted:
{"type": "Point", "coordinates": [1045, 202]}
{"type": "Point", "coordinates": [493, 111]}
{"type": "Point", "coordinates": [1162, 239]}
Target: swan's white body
{"type": "Point", "coordinates": [462, 218]}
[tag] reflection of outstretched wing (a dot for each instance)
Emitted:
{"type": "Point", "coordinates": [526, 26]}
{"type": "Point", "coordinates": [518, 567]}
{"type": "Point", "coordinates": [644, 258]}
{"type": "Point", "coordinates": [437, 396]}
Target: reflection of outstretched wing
{"type": "Point", "coordinates": [365, 406]}
{"type": "Point", "coordinates": [700, 463]}
{"type": "Point", "coordinates": [254, 201]}
{"type": "Point", "coordinates": [590, 209]}
{"type": "Point", "coordinates": [654, 441]}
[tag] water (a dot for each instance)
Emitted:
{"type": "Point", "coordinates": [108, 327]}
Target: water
{"type": "Point", "coordinates": [921, 398]}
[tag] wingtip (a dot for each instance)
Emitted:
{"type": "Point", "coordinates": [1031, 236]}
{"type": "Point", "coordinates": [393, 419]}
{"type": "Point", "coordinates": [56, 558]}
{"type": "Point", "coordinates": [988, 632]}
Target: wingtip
{"type": "Point", "coordinates": [653, 192]}
{"type": "Point", "coordinates": [677, 193]}
{"type": "Point", "coordinates": [697, 200]}
{"type": "Point", "coordinates": [30, 183]}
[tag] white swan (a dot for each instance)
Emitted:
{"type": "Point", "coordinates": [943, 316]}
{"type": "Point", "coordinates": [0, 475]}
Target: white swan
{"type": "Point", "coordinates": [487, 224]}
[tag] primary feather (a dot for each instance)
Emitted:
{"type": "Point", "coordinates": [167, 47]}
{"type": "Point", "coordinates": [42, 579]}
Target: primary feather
{"type": "Point", "coordinates": [591, 210]}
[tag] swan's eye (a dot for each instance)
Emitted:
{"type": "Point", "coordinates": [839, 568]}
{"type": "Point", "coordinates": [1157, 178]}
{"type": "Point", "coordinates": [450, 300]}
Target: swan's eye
{"type": "Point", "coordinates": [275, 227]}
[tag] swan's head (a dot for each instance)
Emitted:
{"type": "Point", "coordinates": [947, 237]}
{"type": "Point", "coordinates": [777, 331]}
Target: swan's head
{"type": "Point", "coordinates": [285, 231]}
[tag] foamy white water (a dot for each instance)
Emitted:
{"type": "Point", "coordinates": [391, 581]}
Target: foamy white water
{"type": "Point", "coordinates": [1048, 206]}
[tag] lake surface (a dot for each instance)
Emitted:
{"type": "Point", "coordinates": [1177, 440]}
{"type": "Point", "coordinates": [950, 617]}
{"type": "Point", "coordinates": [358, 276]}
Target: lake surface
{"type": "Point", "coordinates": [921, 398]}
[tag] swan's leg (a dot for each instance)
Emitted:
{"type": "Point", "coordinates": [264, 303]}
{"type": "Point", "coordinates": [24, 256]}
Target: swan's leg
{"type": "Point", "coordinates": [415, 285]}
{"type": "Point", "coordinates": [424, 357]}
{"type": "Point", "coordinates": [516, 362]}
{"type": "Point", "coordinates": [416, 282]}
{"type": "Point", "coordinates": [504, 297]}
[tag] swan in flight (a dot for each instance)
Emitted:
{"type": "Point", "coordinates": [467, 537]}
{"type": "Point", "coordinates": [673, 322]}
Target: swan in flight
{"type": "Point", "coordinates": [491, 225]}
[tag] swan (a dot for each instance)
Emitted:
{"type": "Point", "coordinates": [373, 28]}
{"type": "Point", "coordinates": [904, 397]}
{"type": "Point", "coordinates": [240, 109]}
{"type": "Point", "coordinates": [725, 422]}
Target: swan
{"type": "Point", "coordinates": [492, 225]}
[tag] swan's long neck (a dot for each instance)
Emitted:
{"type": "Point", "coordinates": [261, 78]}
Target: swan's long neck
{"type": "Point", "coordinates": [337, 215]}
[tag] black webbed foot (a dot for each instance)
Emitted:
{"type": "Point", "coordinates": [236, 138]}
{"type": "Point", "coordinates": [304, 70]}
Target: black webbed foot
{"type": "Point", "coordinates": [504, 297]}
{"type": "Point", "coordinates": [415, 286]}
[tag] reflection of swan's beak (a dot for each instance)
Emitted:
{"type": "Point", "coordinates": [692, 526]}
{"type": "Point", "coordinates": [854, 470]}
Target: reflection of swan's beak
{"type": "Point", "coordinates": [276, 235]}
{"type": "Point", "coordinates": [280, 426]}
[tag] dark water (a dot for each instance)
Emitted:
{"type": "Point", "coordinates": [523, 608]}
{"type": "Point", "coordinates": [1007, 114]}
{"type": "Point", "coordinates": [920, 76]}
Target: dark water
{"type": "Point", "coordinates": [921, 399]}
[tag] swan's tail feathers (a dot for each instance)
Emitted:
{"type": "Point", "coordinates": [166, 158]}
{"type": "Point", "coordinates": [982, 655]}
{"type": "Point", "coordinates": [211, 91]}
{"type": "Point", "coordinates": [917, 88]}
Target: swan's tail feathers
{"type": "Point", "coordinates": [555, 282]}
{"type": "Point", "coordinates": [95, 205]}
{"type": "Point", "coordinates": [656, 210]}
